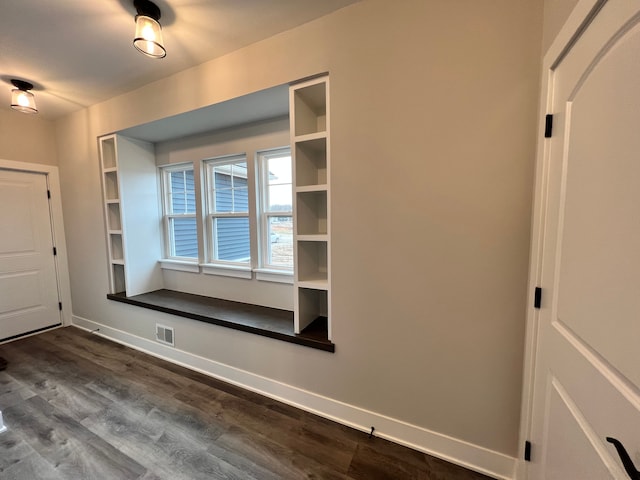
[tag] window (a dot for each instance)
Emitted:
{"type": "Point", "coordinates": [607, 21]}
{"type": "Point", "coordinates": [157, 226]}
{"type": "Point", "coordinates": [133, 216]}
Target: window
{"type": "Point", "coordinates": [181, 237]}
{"type": "Point", "coordinates": [240, 205]}
{"type": "Point", "coordinates": [228, 211]}
{"type": "Point", "coordinates": [275, 215]}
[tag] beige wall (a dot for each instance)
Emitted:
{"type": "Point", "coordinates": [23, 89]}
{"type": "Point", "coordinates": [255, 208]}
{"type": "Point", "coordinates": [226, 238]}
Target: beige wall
{"type": "Point", "coordinates": [433, 111]}
{"type": "Point", "coordinates": [27, 138]}
{"type": "Point", "coordinates": [556, 13]}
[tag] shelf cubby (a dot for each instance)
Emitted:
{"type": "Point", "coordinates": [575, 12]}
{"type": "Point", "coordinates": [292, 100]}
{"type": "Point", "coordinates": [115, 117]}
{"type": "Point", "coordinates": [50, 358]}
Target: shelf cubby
{"type": "Point", "coordinates": [113, 216]}
{"type": "Point", "coordinates": [111, 190]}
{"type": "Point", "coordinates": [312, 305]}
{"type": "Point", "coordinates": [108, 152]}
{"type": "Point", "coordinates": [311, 213]}
{"type": "Point", "coordinates": [310, 109]}
{"type": "Point", "coordinates": [312, 264]}
{"type": "Point", "coordinates": [117, 277]}
{"type": "Point", "coordinates": [311, 162]}
{"type": "Point", "coordinates": [117, 252]}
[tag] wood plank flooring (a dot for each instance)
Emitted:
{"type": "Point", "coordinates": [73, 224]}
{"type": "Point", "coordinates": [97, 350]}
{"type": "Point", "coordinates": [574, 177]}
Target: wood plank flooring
{"type": "Point", "coordinates": [78, 406]}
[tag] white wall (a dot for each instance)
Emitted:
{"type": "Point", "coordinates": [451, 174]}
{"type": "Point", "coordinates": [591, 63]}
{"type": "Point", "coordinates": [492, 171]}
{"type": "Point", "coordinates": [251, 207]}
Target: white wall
{"type": "Point", "coordinates": [248, 140]}
{"type": "Point", "coordinates": [27, 138]}
{"type": "Point", "coordinates": [434, 107]}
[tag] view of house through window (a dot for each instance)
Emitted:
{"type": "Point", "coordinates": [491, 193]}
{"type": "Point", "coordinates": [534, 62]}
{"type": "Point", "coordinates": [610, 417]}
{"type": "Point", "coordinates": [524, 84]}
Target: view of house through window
{"type": "Point", "coordinates": [228, 210]}
{"type": "Point", "coordinates": [180, 213]}
{"type": "Point", "coordinates": [229, 217]}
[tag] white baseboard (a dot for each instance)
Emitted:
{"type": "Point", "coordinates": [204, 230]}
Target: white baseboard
{"type": "Point", "coordinates": [521, 470]}
{"type": "Point", "coordinates": [3, 427]}
{"type": "Point", "coordinates": [456, 451]}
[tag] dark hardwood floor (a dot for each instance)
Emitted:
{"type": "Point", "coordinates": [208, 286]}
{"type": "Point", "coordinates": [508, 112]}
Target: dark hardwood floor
{"type": "Point", "coordinates": [78, 406]}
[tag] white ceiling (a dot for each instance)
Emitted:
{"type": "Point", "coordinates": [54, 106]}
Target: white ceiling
{"type": "Point", "coordinates": [79, 52]}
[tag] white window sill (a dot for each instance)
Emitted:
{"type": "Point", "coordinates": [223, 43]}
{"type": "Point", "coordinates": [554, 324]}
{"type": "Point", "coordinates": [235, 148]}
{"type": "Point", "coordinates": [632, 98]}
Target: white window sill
{"type": "Point", "coordinates": [272, 275]}
{"type": "Point", "coordinates": [179, 265]}
{"type": "Point", "coordinates": [236, 271]}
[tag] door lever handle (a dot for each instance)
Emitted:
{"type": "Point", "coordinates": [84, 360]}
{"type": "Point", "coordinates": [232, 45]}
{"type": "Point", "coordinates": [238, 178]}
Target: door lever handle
{"type": "Point", "coordinates": [629, 467]}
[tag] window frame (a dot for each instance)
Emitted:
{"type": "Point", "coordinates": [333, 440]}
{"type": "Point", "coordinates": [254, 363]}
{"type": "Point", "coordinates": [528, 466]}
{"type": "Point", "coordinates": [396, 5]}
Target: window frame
{"type": "Point", "coordinates": [211, 246]}
{"type": "Point", "coordinates": [264, 214]}
{"type": "Point", "coordinates": [168, 237]}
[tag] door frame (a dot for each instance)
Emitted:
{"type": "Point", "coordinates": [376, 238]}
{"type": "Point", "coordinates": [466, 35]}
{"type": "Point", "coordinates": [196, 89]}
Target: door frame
{"type": "Point", "coordinates": [57, 225]}
{"type": "Point", "coordinates": [579, 19]}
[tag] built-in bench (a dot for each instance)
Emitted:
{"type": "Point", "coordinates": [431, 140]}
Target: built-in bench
{"type": "Point", "coordinates": [256, 319]}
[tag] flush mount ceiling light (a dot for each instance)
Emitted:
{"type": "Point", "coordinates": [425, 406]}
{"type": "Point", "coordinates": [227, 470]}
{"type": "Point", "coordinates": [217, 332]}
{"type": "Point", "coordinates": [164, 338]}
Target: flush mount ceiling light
{"type": "Point", "coordinates": [148, 39]}
{"type": "Point", "coordinates": [21, 99]}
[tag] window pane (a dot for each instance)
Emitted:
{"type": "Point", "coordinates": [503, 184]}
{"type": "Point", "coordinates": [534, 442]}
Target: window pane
{"type": "Point", "coordinates": [184, 237]}
{"type": "Point", "coordinates": [182, 194]}
{"type": "Point", "coordinates": [279, 169]}
{"type": "Point", "coordinates": [230, 190]}
{"type": "Point", "coordinates": [224, 199]}
{"type": "Point", "coordinates": [280, 249]}
{"type": "Point", "coordinates": [231, 238]}
{"type": "Point", "coordinates": [279, 196]}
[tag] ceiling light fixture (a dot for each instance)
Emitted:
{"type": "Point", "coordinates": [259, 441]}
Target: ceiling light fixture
{"type": "Point", "coordinates": [148, 37]}
{"type": "Point", "coordinates": [21, 99]}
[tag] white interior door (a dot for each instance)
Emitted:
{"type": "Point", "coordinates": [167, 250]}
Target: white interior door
{"type": "Point", "coordinates": [587, 368]}
{"type": "Point", "coordinates": [28, 282]}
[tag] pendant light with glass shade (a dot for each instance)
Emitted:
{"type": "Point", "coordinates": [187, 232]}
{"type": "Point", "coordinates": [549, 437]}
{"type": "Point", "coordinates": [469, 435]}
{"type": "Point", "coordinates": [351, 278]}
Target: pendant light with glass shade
{"type": "Point", "coordinates": [148, 37]}
{"type": "Point", "coordinates": [22, 99]}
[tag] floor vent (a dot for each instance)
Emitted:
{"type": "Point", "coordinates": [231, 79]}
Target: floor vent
{"type": "Point", "coordinates": [165, 335]}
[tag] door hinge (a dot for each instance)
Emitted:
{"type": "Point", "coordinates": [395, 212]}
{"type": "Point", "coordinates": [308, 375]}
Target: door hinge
{"type": "Point", "coordinates": [55, 251]}
{"type": "Point", "coordinates": [48, 193]}
{"type": "Point", "coordinates": [548, 125]}
{"type": "Point", "coordinates": [537, 298]}
{"type": "Point", "coordinates": [527, 451]}
{"type": "Point", "coordinates": [60, 306]}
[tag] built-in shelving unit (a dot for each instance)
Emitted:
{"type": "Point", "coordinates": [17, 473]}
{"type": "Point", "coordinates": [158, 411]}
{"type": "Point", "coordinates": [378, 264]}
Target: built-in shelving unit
{"type": "Point", "coordinates": [111, 197]}
{"type": "Point", "coordinates": [309, 107]}
{"type": "Point", "coordinates": [129, 179]}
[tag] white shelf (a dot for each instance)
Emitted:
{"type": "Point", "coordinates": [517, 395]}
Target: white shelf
{"type": "Point", "coordinates": [312, 188]}
{"type": "Point", "coordinates": [110, 169]}
{"type": "Point", "coordinates": [310, 138]}
{"type": "Point", "coordinates": [115, 261]}
{"type": "Point", "coordinates": [313, 238]}
{"type": "Point", "coordinates": [314, 284]}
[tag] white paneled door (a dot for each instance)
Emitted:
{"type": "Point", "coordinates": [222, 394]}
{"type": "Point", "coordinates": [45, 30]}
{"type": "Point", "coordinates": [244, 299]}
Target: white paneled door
{"type": "Point", "coordinates": [587, 368]}
{"type": "Point", "coordinates": [28, 282]}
